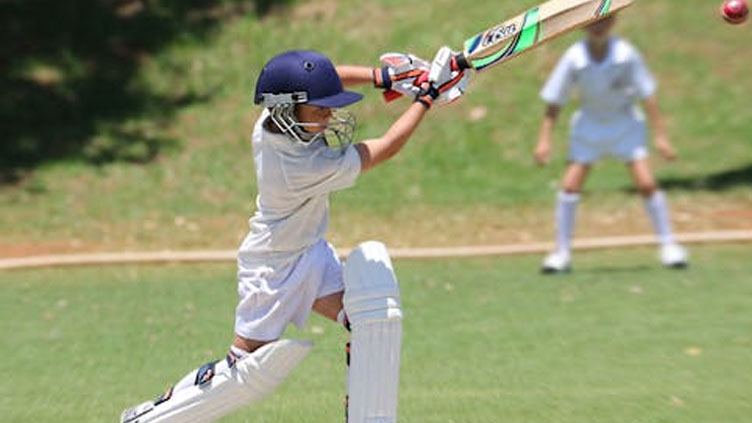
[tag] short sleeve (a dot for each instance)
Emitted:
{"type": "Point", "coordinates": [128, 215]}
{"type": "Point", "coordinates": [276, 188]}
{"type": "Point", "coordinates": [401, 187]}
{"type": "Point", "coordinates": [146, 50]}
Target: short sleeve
{"type": "Point", "coordinates": [643, 80]}
{"type": "Point", "coordinates": [322, 172]}
{"type": "Point", "coordinates": [558, 88]}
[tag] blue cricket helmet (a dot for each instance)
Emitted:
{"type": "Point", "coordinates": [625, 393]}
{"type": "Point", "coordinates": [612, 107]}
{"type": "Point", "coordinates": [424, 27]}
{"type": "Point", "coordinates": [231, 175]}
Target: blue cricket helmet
{"type": "Point", "coordinates": [299, 77]}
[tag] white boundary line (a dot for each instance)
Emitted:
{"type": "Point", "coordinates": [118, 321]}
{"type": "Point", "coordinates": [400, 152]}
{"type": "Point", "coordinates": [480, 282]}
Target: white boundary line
{"type": "Point", "coordinates": [208, 256]}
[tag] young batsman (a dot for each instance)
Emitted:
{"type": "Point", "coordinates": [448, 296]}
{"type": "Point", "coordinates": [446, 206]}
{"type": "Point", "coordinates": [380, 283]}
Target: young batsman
{"type": "Point", "coordinates": [610, 77]}
{"type": "Point", "coordinates": [303, 151]}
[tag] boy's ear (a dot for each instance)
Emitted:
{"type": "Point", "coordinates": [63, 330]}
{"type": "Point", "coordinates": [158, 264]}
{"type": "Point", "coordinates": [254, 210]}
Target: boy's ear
{"type": "Point", "coordinates": [296, 111]}
{"type": "Point", "coordinates": [272, 127]}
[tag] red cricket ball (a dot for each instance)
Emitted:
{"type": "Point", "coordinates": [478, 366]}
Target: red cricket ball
{"type": "Point", "coordinates": [735, 11]}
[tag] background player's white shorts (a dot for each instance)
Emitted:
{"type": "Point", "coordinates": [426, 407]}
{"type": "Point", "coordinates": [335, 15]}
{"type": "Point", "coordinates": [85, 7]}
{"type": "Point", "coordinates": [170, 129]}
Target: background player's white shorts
{"type": "Point", "coordinates": [273, 296]}
{"type": "Point", "coordinates": [591, 139]}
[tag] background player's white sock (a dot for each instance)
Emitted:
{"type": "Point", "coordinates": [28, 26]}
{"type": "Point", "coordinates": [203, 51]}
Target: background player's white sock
{"type": "Point", "coordinates": [657, 208]}
{"type": "Point", "coordinates": [566, 210]}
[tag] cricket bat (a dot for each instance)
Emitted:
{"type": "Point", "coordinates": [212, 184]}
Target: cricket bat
{"type": "Point", "coordinates": [529, 30]}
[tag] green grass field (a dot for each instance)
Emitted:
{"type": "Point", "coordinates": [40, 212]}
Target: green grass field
{"type": "Point", "coordinates": [486, 340]}
{"type": "Point", "coordinates": [126, 127]}
{"type": "Point", "coordinates": [460, 180]}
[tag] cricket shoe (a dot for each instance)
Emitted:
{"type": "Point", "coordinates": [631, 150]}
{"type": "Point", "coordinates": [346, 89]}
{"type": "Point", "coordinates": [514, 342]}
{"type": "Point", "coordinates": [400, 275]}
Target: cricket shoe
{"type": "Point", "coordinates": [674, 256]}
{"type": "Point", "coordinates": [556, 263]}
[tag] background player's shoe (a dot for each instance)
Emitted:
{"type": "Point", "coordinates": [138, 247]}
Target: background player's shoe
{"type": "Point", "coordinates": [674, 256]}
{"type": "Point", "coordinates": [556, 262]}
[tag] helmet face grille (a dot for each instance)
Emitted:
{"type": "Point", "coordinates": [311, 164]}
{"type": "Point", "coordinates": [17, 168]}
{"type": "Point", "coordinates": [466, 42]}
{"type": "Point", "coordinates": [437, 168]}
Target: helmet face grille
{"type": "Point", "coordinates": [338, 134]}
{"type": "Point", "coordinates": [283, 115]}
{"type": "Point", "coordinates": [341, 130]}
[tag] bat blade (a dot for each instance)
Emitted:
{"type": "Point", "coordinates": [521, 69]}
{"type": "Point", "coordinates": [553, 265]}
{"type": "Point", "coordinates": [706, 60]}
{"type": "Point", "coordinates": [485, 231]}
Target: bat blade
{"type": "Point", "coordinates": [533, 28]}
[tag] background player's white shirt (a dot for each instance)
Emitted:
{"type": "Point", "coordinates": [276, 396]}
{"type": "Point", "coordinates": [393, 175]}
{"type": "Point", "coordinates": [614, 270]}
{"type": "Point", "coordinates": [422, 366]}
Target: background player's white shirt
{"type": "Point", "coordinates": [292, 207]}
{"type": "Point", "coordinates": [608, 90]}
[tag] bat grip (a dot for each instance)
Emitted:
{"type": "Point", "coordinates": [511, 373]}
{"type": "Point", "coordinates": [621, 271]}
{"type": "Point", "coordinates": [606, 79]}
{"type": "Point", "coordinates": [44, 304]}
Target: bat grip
{"type": "Point", "coordinates": [462, 62]}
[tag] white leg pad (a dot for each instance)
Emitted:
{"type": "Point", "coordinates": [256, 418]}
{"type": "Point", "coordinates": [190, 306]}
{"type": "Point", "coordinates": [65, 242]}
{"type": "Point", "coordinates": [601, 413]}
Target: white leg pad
{"type": "Point", "coordinates": [251, 379]}
{"type": "Point", "coordinates": [372, 305]}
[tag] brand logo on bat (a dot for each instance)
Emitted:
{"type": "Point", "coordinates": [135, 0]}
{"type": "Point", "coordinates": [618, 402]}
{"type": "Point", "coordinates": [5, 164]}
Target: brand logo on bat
{"type": "Point", "coordinates": [499, 33]}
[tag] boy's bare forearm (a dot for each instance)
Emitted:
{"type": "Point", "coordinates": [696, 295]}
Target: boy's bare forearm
{"type": "Point", "coordinates": [662, 142]}
{"type": "Point", "coordinates": [655, 116]}
{"type": "Point", "coordinates": [376, 151]}
{"type": "Point", "coordinates": [549, 121]}
{"type": "Point", "coordinates": [352, 75]}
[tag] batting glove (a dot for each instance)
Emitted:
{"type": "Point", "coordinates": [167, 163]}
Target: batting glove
{"type": "Point", "coordinates": [445, 74]}
{"type": "Point", "coordinates": [446, 82]}
{"type": "Point", "coordinates": [400, 75]}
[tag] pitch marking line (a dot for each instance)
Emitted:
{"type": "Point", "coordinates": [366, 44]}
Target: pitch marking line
{"type": "Point", "coordinates": [209, 256]}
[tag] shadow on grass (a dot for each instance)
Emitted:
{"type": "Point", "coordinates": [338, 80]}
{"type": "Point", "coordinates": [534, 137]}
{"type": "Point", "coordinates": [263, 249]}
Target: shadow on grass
{"type": "Point", "coordinates": [612, 270]}
{"type": "Point", "coordinates": [718, 181]}
{"type": "Point", "coordinates": [69, 76]}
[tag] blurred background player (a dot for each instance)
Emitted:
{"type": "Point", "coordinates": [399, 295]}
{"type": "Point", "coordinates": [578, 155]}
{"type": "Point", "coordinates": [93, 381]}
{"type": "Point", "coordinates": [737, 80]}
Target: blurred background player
{"type": "Point", "coordinates": [303, 151]}
{"type": "Point", "coordinates": [610, 77]}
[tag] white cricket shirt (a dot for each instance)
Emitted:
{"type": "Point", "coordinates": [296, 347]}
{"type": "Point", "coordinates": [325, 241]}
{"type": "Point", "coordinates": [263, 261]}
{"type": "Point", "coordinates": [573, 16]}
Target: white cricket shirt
{"type": "Point", "coordinates": [608, 90]}
{"type": "Point", "coordinates": [294, 181]}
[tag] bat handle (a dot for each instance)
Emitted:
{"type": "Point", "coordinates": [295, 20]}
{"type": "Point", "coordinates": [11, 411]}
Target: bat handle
{"type": "Point", "coordinates": [462, 61]}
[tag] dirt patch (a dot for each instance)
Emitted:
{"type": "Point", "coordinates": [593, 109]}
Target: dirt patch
{"type": "Point", "coordinates": [426, 227]}
{"type": "Point", "coordinates": [23, 249]}
{"type": "Point", "coordinates": [414, 227]}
